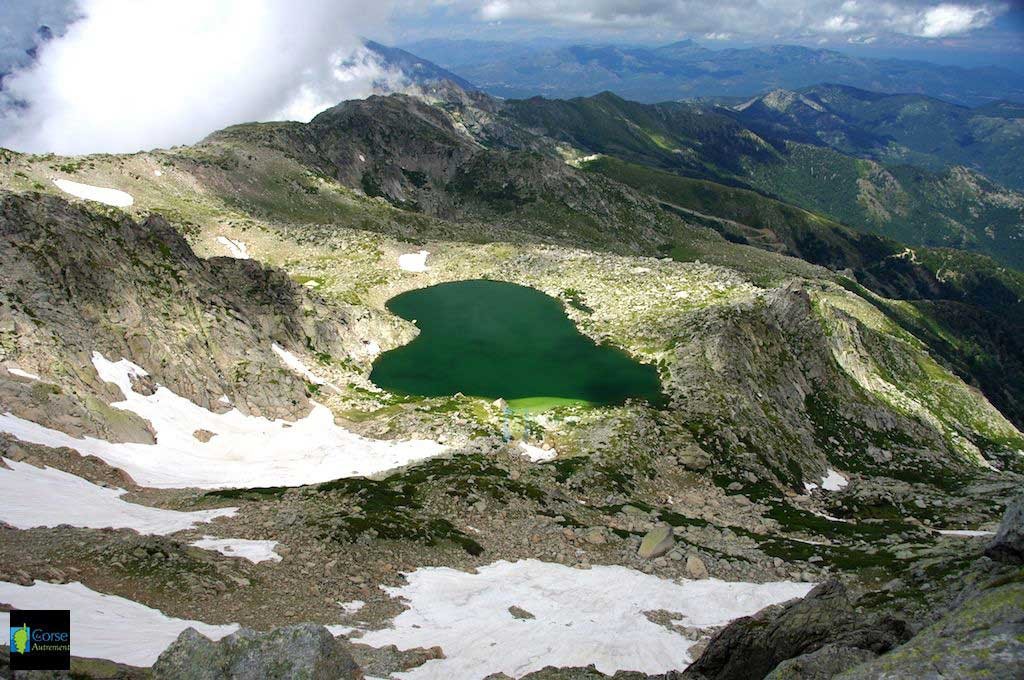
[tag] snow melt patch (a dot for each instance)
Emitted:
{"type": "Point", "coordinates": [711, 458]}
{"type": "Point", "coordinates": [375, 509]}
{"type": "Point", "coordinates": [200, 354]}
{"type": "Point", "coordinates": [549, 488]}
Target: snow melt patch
{"type": "Point", "coordinates": [114, 197]}
{"type": "Point", "coordinates": [581, 617]}
{"type": "Point", "coordinates": [236, 248]}
{"type": "Point", "coordinates": [247, 451]}
{"type": "Point", "coordinates": [833, 481]}
{"type": "Point", "coordinates": [106, 626]}
{"type": "Point", "coordinates": [413, 262]}
{"type": "Point", "coordinates": [23, 374]}
{"type": "Point", "coordinates": [965, 533]}
{"type": "Point", "coordinates": [296, 365]}
{"type": "Point", "coordinates": [352, 607]}
{"type": "Point", "coordinates": [47, 497]}
{"type": "Point", "coordinates": [254, 551]}
{"type": "Point", "coordinates": [536, 453]}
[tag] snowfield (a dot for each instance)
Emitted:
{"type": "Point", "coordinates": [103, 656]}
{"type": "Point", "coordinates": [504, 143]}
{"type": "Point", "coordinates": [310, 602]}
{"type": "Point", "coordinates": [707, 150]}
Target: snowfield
{"type": "Point", "coordinates": [114, 197]}
{"type": "Point", "coordinates": [245, 451]}
{"type": "Point", "coordinates": [47, 497]}
{"type": "Point", "coordinates": [106, 626]}
{"type": "Point", "coordinates": [582, 616]}
{"type": "Point", "coordinates": [413, 262]}
{"type": "Point", "coordinates": [254, 551]}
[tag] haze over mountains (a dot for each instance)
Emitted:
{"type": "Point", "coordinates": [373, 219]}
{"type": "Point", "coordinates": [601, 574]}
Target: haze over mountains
{"type": "Point", "coordinates": [687, 69]}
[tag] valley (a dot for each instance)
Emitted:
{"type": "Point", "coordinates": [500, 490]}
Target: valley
{"type": "Point", "coordinates": [717, 416]}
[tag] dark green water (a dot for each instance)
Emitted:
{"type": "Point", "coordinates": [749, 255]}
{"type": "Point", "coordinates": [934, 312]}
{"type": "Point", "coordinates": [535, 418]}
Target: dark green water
{"type": "Point", "coordinates": [494, 339]}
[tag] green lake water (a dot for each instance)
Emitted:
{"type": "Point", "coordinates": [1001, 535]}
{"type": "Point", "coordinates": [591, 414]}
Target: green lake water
{"type": "Point", "coordinates": [494, 339]}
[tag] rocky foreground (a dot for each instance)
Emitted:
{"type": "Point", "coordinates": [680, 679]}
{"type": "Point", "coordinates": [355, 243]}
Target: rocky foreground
{"type": "Point", "coordinates": [189, 371]}
{"type": "Point", "coordinates": [830, 633]}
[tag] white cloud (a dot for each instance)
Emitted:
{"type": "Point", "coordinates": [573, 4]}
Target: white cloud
{"type": "Point", "coordinates": [778, 19]}
{"type": "Point", "coordinates": [137, 74]}
{"type": "Point", "coordinates": [946, 20]}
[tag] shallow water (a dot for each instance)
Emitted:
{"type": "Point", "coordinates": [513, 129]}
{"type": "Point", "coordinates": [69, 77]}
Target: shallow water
{"type": "Point", "coordinates": [495, 339]}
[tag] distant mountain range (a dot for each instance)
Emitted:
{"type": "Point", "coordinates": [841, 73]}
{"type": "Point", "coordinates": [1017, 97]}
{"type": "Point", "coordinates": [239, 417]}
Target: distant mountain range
{"type": "Point", "coordinates": [894, 128]}
{"type": "Point", "coordinates": [686, 70]}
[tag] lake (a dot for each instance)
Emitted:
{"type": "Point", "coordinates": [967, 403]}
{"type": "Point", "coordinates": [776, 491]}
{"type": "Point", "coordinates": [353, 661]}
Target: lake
{"type": "Point", "coordinates": [495, 339]}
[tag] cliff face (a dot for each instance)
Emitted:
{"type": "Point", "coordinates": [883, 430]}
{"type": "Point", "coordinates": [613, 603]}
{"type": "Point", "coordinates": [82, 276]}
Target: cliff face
{"type": "Point", "coordinates": [78, 280]}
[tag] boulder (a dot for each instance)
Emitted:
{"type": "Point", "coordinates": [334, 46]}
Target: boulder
{"type": "Point", "coordinates": [1008, 544]}
{"type": "Point", "coordinates": [751, 647]}
{"type": "Point", "coordinates": [657, 542]}
{"type": "Point", "coordinates": [695, 567]}
{"type": "Point", "coordinates": [305, 651]}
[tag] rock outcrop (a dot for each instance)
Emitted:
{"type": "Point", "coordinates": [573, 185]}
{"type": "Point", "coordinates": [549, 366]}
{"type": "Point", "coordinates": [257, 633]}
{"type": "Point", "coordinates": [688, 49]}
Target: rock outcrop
{"type": "Point", "coordinates": [751, 647]}
{"type": "Point", "coordinates": [983, 638]}
{"type": "Point", "coordinates": [301, 652]}
{"type": "Point", "coordinates": [77, 280]}
{"type": "Point", "coordinates": [1008, 544]}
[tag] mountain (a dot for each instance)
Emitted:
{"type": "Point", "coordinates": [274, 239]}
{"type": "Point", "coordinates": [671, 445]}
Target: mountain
{"type": "Point", "coordinates": [419, 71]}
{"type": "Point", "coordinates": [951, 207]}
{"type": "Point", "coordinates": [894, 129]}
{"type": "Point", "coordinates": [687, 70]}
{"type": "Point", "coordinates": [187, 364]}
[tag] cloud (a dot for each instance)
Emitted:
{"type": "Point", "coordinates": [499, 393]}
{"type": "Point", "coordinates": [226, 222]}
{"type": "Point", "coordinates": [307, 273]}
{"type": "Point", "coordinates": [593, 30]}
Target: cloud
{"type": "Point", "coordinates": [20, 24]}
{"type": "Point", "coordinates": [136, 74]}
{"type": "Point", "coordinates": [947, 20]}
{"type": "Point", "coordinates": [742, 18]}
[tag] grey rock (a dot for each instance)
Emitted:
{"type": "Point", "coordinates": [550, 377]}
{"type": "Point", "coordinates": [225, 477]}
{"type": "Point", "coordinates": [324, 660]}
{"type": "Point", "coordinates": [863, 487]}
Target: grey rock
{"type": "Point", "coordinates": [1008, 544]}
{"type": "Point", "coordinates": [821, 664]}
{"type": "Point", "coordinates": [752, 646]}
{"type": "Point", "coordinates": [302, 652]}
{"type": "Point", "coordinates": [982, 638]}
{"type": "Point", "coordinates": [695, 567]}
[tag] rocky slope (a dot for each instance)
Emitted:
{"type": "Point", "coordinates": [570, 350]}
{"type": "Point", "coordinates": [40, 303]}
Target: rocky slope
{"type": "Point", "coordinates": [809, 435]}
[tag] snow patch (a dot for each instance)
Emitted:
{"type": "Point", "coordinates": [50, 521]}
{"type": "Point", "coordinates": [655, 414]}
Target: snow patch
{"type": "Point", "coordinates": [965, 533]}
{"type": "Point", "coordinates": [413, 262]}
{"type": "Point", "coordinates": [47, 497]}
{"type": "Point", "coordinates": [583, 616]}
{"type": "Point", "coordinates": [536, 453]}
{"type": "Point", "coordinates": [833, 481]}
{"type": "Point", "coordinates": [114, 197]}
{"type": "Point", "coordinates": [830, 518]}
{"type": "Point", "coordinates": [352, 607]}
{"type": "Point", "coordinates": [254, 551]}
{"type": "Point", "coordinates": [106, 626]}
{"type": "Point", "coordinates": [158, 173]}
{"type": "Point", "coordinates": [236, 248]}
{"type": "Point", "coordinates": [296, 365]}
{"type": "Point", "coordinates": [247, 451]}
{"type": "Point", "coordinates": [23, 374]}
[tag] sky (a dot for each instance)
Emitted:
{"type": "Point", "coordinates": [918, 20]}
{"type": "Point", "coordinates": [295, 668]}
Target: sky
{"type": "Point", "coordinates": [124, 75]}
{"type": "Point", "coordinates": [908, 27]}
